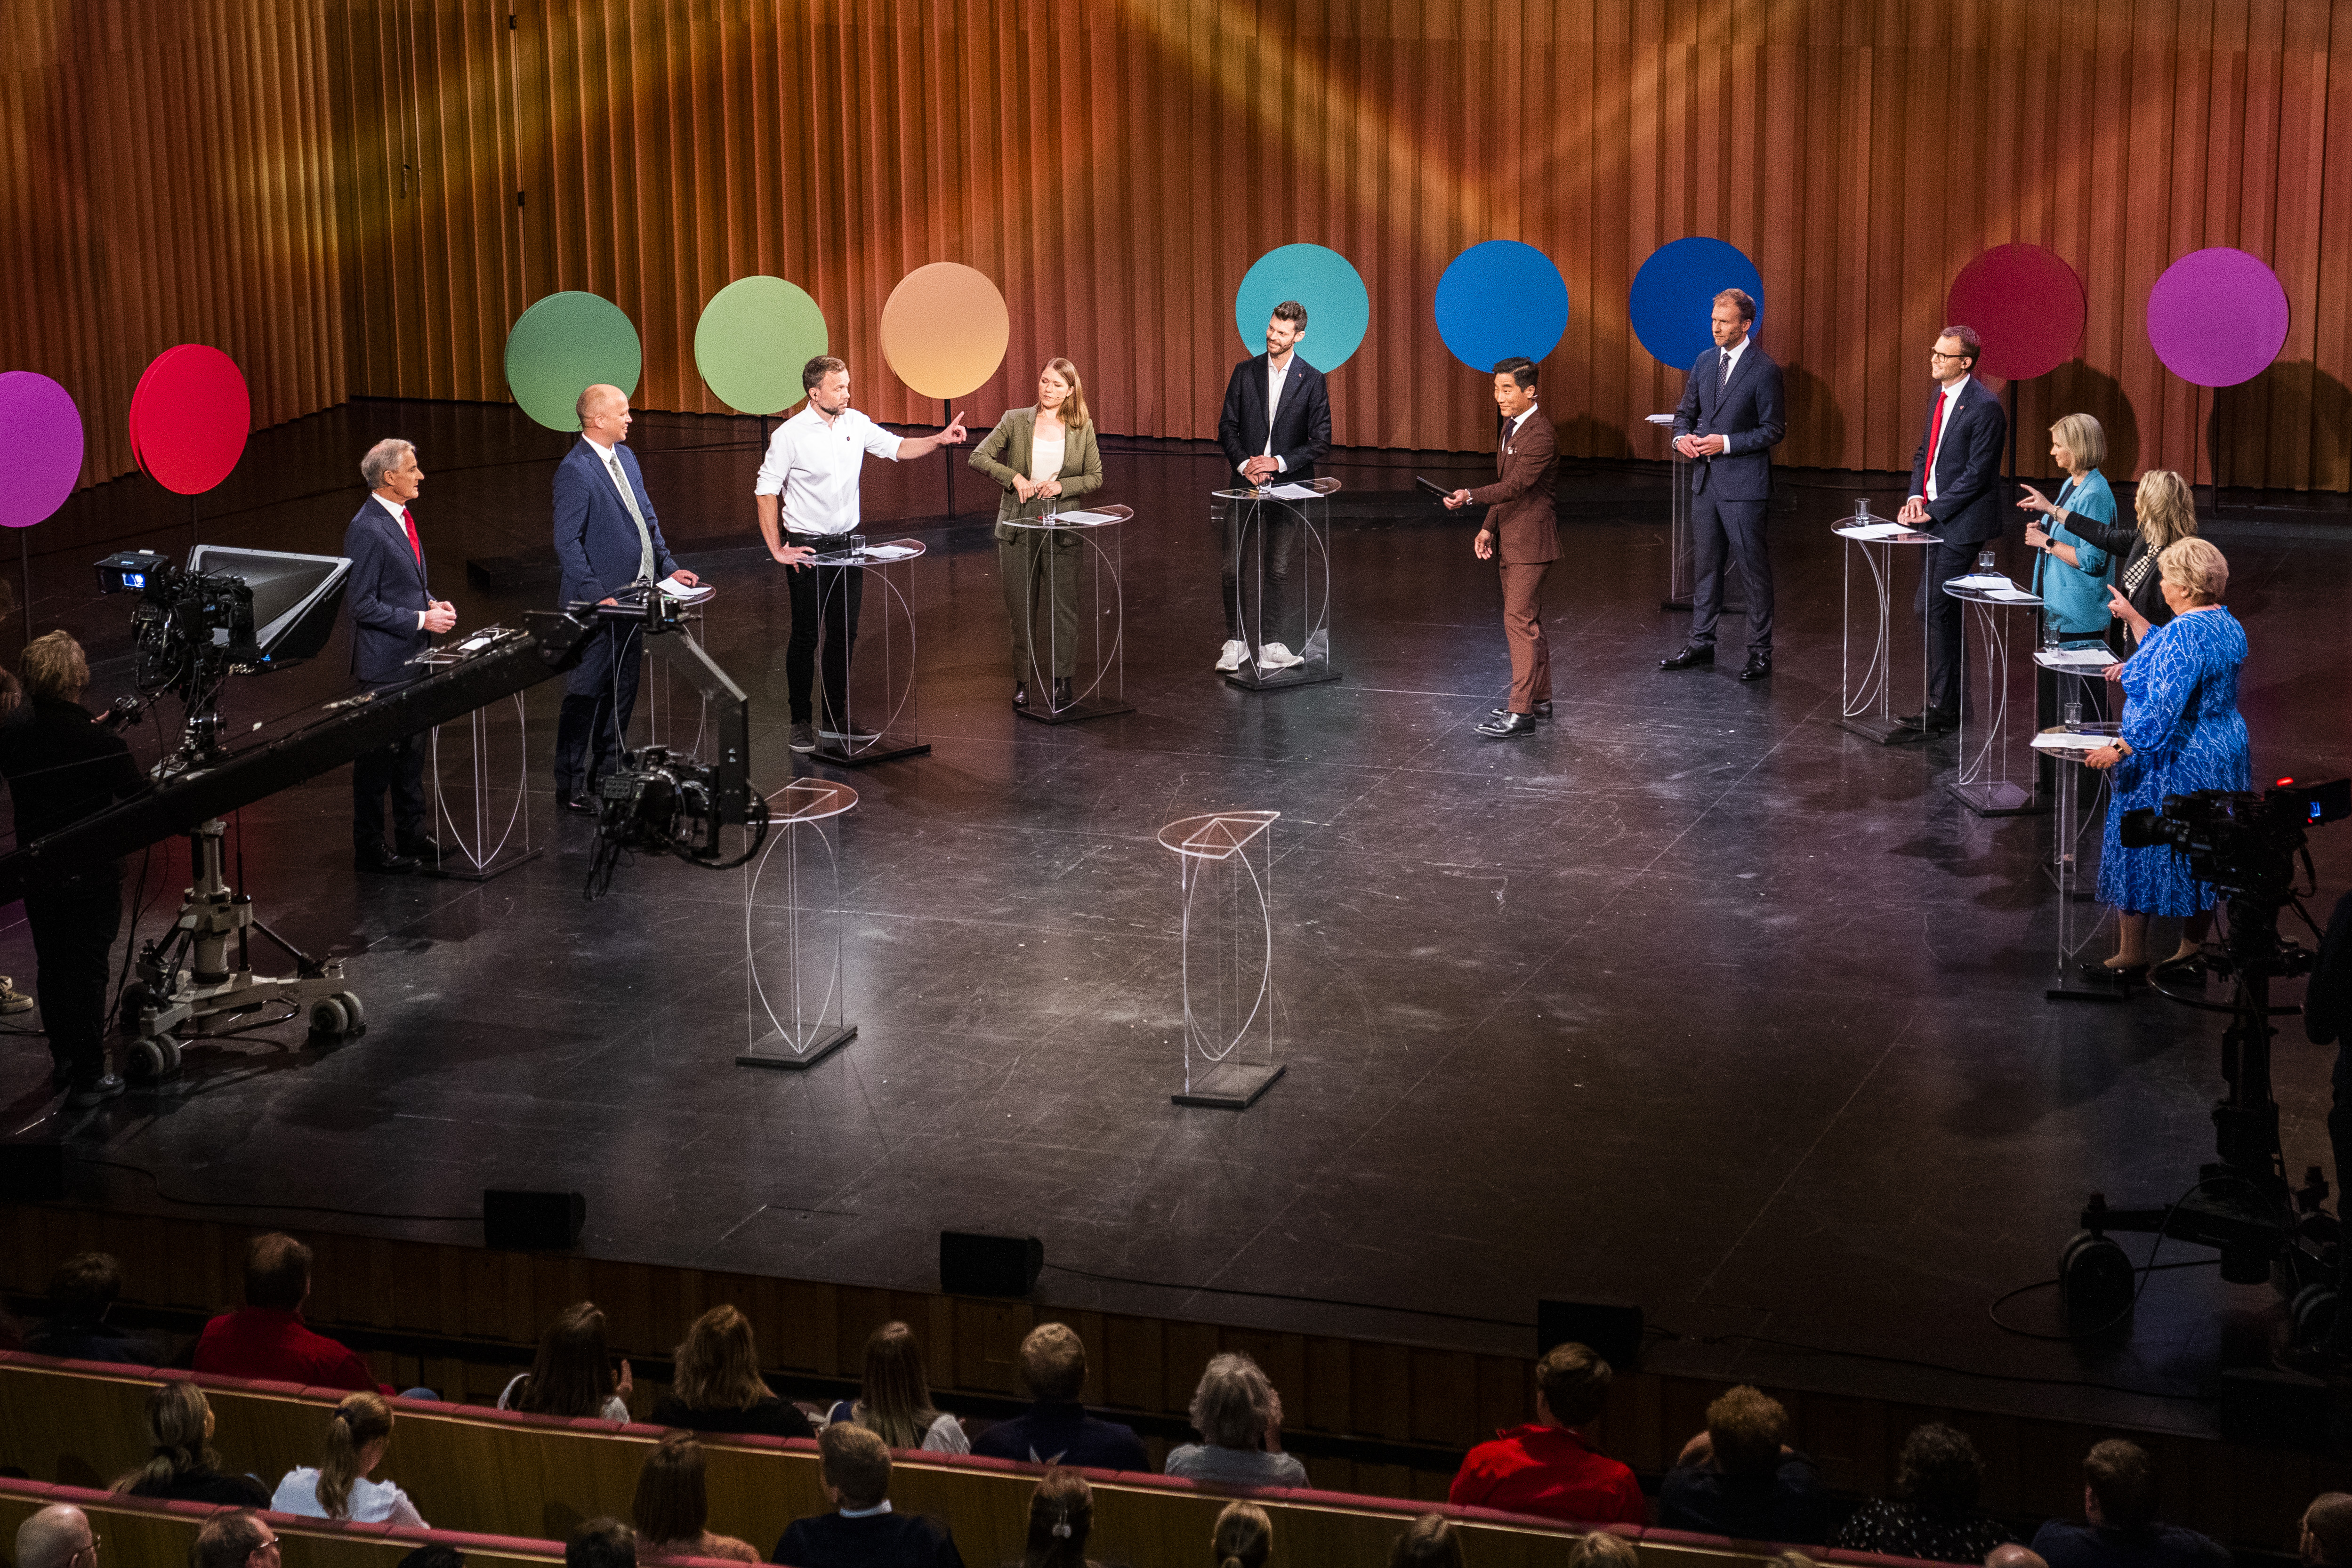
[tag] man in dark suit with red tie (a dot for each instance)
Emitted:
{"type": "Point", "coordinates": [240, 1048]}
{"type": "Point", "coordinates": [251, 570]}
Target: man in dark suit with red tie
{"type": "Point", "coordinates": [394, 618]}
{"type": "Point", "coordinates": [1956, 496]}
{"type": "Point", "coordinates": [1521, 528]}
{"type": "Point", "coordinates": [1730, 419]}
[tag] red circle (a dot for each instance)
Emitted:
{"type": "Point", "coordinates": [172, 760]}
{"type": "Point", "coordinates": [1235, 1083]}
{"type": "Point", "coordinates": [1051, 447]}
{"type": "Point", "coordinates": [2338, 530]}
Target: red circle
{"type": "Point", "coordinates": [189, 418]}
{"type": "Point", "coordinates": [2028, 304]}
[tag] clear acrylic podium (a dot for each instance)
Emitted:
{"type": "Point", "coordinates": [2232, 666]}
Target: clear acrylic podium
{"type": "Point", "coordinates": [1077, 615]}
{"type": "Point", "coordinates": [1225, 862]}
{"type": "Point", "coordinates": [481, 807]}
{"type": "Point", "coordinates": [1681, 549]}
{"type": "Point", "coordinates": [881, 724]}
{"type": "Point", "coordinates": [1867, 701]}
{"type": "Point", "coordinates": [1984, 784]}
{"type": "Point", "coordinates": [792, 933]}
{"type": "Point", "coordinates": [2077, 821]}
{"type": "Point", "coordinates": [1299, 514]}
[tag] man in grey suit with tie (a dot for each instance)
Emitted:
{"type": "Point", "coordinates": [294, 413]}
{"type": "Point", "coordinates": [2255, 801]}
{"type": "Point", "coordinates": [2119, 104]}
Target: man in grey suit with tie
{"type": "Point", "coordinates": [1730, 419]}
{"type": "Point", "coordinates": [606, 538]}
{"type": "Point", "coordinates": [395, 617]}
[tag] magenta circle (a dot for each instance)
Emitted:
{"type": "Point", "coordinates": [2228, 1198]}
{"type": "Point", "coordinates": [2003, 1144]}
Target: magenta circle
{"type": "Point", "coordinates": [2217, 316]}
{"type": "Point", "coordinates": [40, 447]}
{"type": "Point", "coordinates": [2027, 304]}
{"type": "Point", "coordinates": [189, 418]}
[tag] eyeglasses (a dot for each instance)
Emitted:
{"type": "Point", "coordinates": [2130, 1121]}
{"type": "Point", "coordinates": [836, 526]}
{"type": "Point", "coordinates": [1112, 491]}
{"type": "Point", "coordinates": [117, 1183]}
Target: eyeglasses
{"type": "Point", "coordinates": [1940, 354]}
{"type": "Point", "coordinates": [92, 1548]}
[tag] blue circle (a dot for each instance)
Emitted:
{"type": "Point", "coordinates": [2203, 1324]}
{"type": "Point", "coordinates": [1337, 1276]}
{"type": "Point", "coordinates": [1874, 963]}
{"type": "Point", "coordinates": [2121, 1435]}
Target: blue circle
{"type": "Point", "coordinates": [1501, 299]}
{"type": "Point", "coordinates": [1674, 294]}
{"type": "Point", "coordinates": [1339, 311]}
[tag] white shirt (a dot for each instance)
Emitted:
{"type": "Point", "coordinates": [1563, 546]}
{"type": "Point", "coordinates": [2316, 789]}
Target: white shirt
{"type": "Point", "coordinates": [399, 510]}
{"type": "Point", "coordinates": [1951, 395]}
{"type": "Point", "coordinates": [880, 1507]}
{"type": "Point", "coordinates": [1275, 375]}
{"type": "Point", "coordinates": [1045, 454]}
{"type": "Point", "coordinates": [371, 1502]}
{"type": "Point", "coordinates": [814, 466]}
{"type": "Point", "coordinates": [613, 471]}
{"type": "Point", "coordinates": [1522, 420]}
{"type": "Point", "coordinates": [1724, 372]}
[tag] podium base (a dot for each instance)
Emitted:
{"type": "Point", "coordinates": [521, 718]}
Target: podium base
{"type": "Point", "coordinates": [1077, 713]}
{"type": "Point", "coordinates": [2070, 990]}
{"type": "Point", "coordinates": [1249, 679]}
{"type": "Point", "coordinates": [1998, 799]}
{"type": "Point", "coordinates": [826, 1044]}
{"type": "Point", "coordinates": [1880, 729]}
{"type": "Point", "coordinates": [1230, 1085]}
{"type": "Point", "coordinates": [883, 751]}
{"type": "Point", "coordinates": [459, 870]}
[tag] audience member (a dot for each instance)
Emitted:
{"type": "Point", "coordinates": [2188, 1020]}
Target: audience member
{"type": "Point", "coordinates": [1061, 1518]}
{"type": "Point", "coordinates": [242, 1539]}
{"type": "Point", "coordinates": [574, 1372]}
{"type": "Point", "coordinates": [1739, 1478]}
{"type": "Point", "coordinates": [1551, 1468]}
{"type": "Point", "coordinates": [1792, 1558]}
{"type": "Point", "coordinates": [1933, 1513]}
{"type": "Point", "coordinates": [184, 1468]}
{"type": "Point", "coordinates": [862, 1533]}
{"type": "Point", "coordinates": [2013, 1555]}
{"type": "Point", "coordinates": [601, 1544]}
{"type": "Point", "coordinates": [673, 1506]}
{"type": "Point", "coordinates": [1239, 1417]}
{"type": "Point", "coordinates": [81, 1293]}
{"type": "Point", "coordinates": [895, 1400]}
{"type": "Point", "coordinates": [55, 1537]}
{"type": "Point", "coordinates": [266, 1337]}
{"type": "Point", "coordinates": [2120, 1528]}
{"type": "Point", "coordinates": [1602, 1549]}
{"type": "Point", "coordinates": [340, 1488]}
{"type": "Point", "coordinates": [715, 1383]}
{"type": "Point", "coordinates": [433, 1556]}
{"type": "Point", "coordinates": [1055, 1429]}
{"type": "Point", "coordinates": [2328, 1531]}
{"type": "Point", "coordinates": [1243, 1537]}
{"type": "Point", "coordinates": [1428, 1543]}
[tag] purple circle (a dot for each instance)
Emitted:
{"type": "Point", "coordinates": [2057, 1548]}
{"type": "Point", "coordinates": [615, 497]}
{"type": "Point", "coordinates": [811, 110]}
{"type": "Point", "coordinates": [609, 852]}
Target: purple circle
{"type": "Point", "coordinates": [40, 447]}
{"type": "Point", "coordinates": [2217, 316]}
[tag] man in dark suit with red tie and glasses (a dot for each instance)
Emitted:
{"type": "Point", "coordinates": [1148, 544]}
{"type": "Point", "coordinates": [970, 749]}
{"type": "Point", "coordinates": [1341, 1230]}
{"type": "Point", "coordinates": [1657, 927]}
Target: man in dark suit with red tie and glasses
{"type": "Point", "coordinates": [394, 618]}
{"type": "Point", "coordinates": [1955, 494]}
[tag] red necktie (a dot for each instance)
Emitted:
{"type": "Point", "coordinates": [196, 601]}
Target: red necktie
{"type": "Point", "coordinates": [1935, 433]}
{"type": "Point", "coordinates": [410, 524]}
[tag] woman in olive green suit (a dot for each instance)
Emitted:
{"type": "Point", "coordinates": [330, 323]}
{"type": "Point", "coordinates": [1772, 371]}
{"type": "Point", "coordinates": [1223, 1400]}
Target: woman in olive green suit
{"type": "Point", "coordinates": [1040, 455]}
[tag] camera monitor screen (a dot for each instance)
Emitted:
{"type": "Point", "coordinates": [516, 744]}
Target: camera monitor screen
{"type": "Point", "coordinates": [295, 597]}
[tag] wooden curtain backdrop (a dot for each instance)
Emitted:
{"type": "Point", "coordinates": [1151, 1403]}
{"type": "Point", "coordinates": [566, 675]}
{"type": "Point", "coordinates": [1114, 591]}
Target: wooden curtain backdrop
{"type": "Point", "coordinates": [357, 197]}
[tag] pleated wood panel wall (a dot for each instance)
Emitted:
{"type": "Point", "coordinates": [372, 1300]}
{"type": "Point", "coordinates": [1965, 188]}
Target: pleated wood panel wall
{"type": "Point", "coordinates": [165, 177]}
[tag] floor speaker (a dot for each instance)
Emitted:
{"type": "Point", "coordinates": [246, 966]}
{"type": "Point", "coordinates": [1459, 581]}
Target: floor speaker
{"type": "Point", "coordinates": [2266, 1407]}
{"type": "Point", "coordinates": [1613, 1331]}
{"type": "Point", "coordinates": [33, 1173]}
{"type": "Point", "coordinates": [974, 1265]}
{"type": "Point", "coordinates": [516, 1221]}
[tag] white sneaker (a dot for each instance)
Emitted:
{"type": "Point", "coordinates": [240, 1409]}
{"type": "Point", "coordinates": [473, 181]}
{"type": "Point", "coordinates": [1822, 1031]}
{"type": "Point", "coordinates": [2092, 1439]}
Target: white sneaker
{"type": "Point", "coordinates": [1275, 656]}
{"type": "Point", "coordinates": [1236, 655]}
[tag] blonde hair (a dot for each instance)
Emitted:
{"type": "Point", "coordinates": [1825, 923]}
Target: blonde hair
{"type": "Point", "coordinates": [358, 1420]}
{"type": "Point", "coordinates": [2194, 564]}
{"type": "Point", "coordinates": [1074, 407]}
{"type": "Point", "coordinates": [718, 1365]}
{"type": "Point", "coordinates": [1428, 1543]}
{"type": "Point", "coordinates": [2166, 507]}
{"type": "Point", "coordinates": [1243, 1537]}
{"type": "Point", "coordinates": [2083, 436]}
{"type": "Point", "coordinates": [895, 1400]}
{"type": "Point", "coordinates": [1053, 1363]}
{"type": "Point", "coordinates": [176, 1414]}
{"type": "Point", "coordinates": [54, 666]}
{"type": "Point", "coordinates": [1601, 1550]}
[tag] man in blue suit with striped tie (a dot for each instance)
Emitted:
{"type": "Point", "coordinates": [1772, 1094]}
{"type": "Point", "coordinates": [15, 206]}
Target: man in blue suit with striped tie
{"type": "Point", "coordinates": [1731, 417]}
{"type": "Point", "coordinates": [606, 539]}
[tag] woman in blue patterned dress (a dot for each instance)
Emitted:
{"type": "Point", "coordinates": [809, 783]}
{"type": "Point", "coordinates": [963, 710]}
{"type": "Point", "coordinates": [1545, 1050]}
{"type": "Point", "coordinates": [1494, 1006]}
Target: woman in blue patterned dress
{"type": "Point", "coordinates": [2181, 733]}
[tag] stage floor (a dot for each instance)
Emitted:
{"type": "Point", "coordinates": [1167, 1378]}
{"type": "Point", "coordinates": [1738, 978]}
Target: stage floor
{"type": "Point", "coordinates": [1693, 1000]}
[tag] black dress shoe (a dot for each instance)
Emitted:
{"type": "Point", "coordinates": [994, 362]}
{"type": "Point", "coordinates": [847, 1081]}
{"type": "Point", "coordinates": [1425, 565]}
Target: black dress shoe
{"type": "Point", "coordinates": [1020, 694]}
{"type": "Point", "coordinates": [1062, 697]}
{"type": "Point", "coordinates": [96, 1091]}
{"type": "Point", "coordinates": [1541, 710]}
{"type": "Point", "coordinates": [421, 848]}
{"type": "Point", "coordinates": [381, 861]}
{"type": "Point", "coordinates": [1510, 726]}
{"type": "Point", "coordinates": [1692, 657]}
{"type": "Point", "coordinates": [1934, 721]}
{"type": "Point", "coordinates": [580, 803]}
{"type": "Point", "coordinates": [1758, 667]}
{"type": "Point", "coordinates": [2107, 973]}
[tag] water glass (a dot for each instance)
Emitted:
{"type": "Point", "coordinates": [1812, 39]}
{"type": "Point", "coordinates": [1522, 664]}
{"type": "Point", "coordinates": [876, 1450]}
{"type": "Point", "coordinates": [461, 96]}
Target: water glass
{"type": "Point", "coordinates": [1862, 512]}
{"type": "Point", "coordinates": [2074, 718]}
{"type": "Point", "coordinates": [1986, 565]}
{"type": "Point", "coordinates": [857, 544]}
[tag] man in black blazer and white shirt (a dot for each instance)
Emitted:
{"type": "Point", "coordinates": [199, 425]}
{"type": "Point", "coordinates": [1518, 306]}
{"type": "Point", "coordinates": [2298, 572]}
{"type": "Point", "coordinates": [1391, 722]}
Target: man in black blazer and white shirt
{"type": "Point", "coordinates": [1956, 496]}
{"type": "Point", "coordinates": [394, 618]}
{"type": "Point", "coordinates": [1275, 426]}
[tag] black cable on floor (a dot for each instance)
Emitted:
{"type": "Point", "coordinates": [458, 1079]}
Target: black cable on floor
{"type": "Point", "coordinates": [1992, 1309]}
{"type": "Point", "coordinates": [1280, 1296]}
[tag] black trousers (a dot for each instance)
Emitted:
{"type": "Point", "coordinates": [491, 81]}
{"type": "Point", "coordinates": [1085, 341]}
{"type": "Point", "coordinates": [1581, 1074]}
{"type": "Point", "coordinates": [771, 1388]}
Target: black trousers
{"type": "Point", "coordinates": [599, 696]}
{"type": "Point", "coordinates": [830, 597]}
{"type": "Point", "coordinates": [1947, 682]}
{"type": "Point", "coordinates": [398, 769]}
{"type": "Point", "coordinates": [1261, 537]}
{"type": "Point", "coordinates": [1736, 528]}
{"type": "Point", "coordinates": [74, 923]}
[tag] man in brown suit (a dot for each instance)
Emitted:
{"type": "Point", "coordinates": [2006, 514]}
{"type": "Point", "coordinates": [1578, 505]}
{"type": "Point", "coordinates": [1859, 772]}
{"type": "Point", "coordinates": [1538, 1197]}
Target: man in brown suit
{"type": "Point", "coordinates": [1521, 525]}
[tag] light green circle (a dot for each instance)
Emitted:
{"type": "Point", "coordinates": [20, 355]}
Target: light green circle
{"type": "Point", "coordinates": [564, 344]}
{"type": "Point", "coordinates": [754, 337]}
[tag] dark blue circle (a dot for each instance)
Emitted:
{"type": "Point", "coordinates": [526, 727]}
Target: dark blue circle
{"type": "Point", "coordinates": [1675, 292]}
{"type": "Point", "coordinates": [1501, 299]}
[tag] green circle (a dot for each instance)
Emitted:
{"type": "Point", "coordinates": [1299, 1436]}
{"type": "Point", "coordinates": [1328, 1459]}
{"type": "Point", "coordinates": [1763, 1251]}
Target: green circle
{"type": "Point", "coordinates": [754, 337]}
{"type": "Point", "coordinates": [565, 344]}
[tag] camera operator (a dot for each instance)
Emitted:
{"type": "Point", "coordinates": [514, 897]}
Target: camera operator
{"type": "Point", "coordinates": [61, 767]}
{"type": "Point", "coordinates": [393, 619]}
{"type": "Point", "coordinates": [2181, 733]}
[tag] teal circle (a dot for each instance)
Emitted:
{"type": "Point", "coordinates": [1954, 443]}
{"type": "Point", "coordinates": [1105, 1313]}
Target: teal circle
{"type": "Point", "coordinates": [565, 344]}
{"type": "Point", "coordinates": [1338, 311]}
{"type": "Point", "coordinates": [752, 341]}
